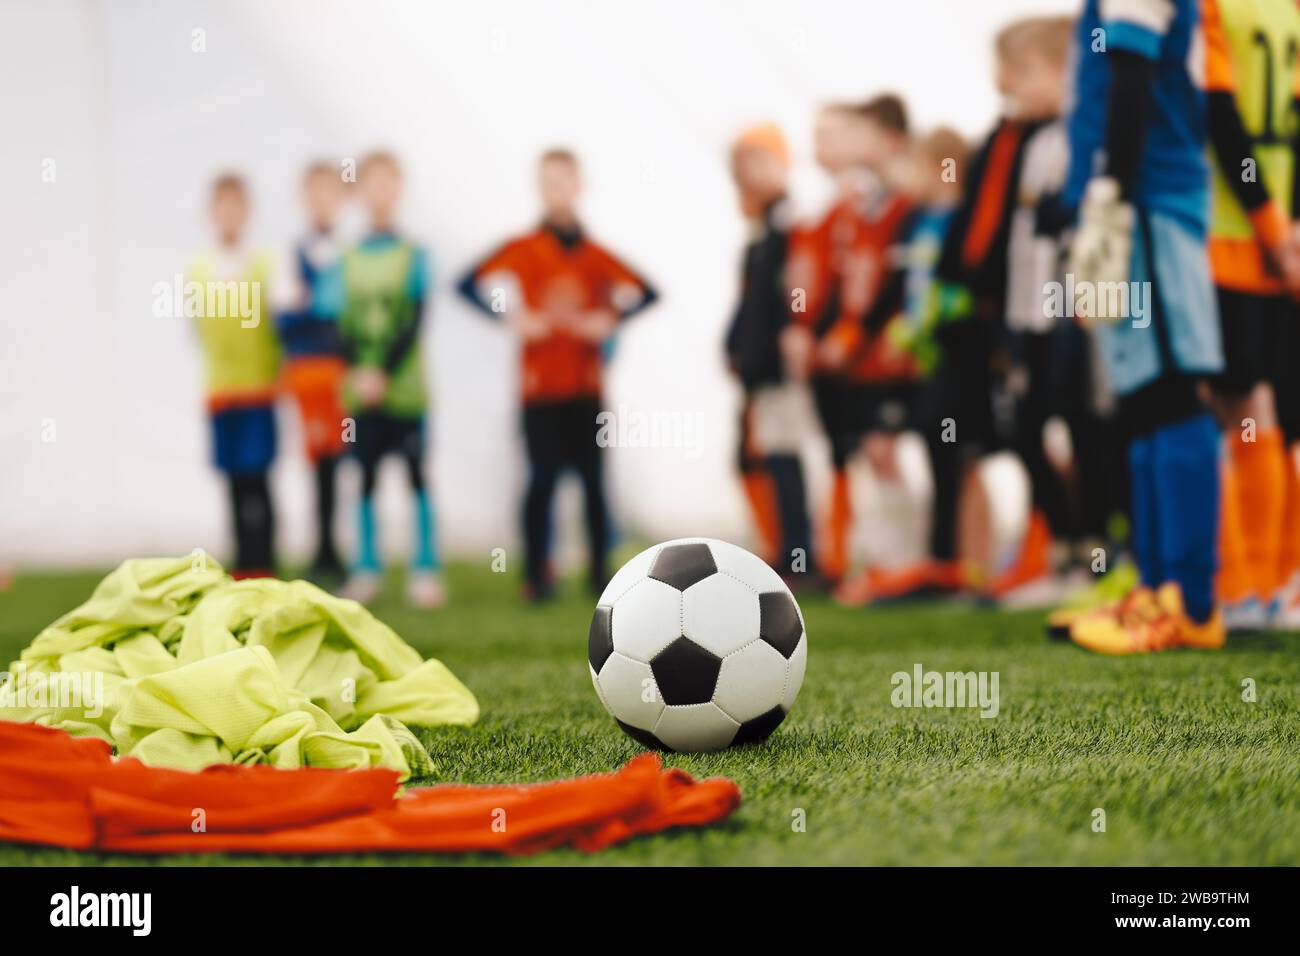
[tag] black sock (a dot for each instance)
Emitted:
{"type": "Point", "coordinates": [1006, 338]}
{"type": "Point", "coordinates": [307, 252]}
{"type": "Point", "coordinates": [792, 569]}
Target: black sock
{"type": "Point", "coordinates": [326, 471]}
{"type": "Point", "coordinates": [254, 522]}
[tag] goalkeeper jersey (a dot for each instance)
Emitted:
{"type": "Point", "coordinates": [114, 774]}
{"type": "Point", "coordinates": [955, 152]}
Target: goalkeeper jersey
{"type": "Point", "coordinates": [1173, 175]}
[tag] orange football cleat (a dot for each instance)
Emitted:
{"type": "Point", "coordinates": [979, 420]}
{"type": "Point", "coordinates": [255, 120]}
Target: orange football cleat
{"type": "Point", "coordinates": [1146, 621]}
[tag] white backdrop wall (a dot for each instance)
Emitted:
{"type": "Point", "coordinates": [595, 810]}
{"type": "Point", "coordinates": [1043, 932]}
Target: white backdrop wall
{"type": "Point", "coordinates": [133, 122]}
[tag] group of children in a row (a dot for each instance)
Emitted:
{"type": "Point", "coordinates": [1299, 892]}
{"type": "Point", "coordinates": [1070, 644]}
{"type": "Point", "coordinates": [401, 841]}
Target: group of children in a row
{"type": "Point", "coordinates": [346, 345]}
{"type": "Point", "coordinates": [1125, 266]}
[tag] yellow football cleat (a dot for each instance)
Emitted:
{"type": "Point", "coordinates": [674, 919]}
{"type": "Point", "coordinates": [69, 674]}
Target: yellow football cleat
{"type": "Point", "coordinates": [1144, 622]}
{"type": "Point", "coordinates": [1137, 624]}
{"type": "Point", "coordinates": [1061, 621]}
{"type": "Point", "coordinates": [1208, 636]}
{"type": "Point", "coordinates": [1108, 591]}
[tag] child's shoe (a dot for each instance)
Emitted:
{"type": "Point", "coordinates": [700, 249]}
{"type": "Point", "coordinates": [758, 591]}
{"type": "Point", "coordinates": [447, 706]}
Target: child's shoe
{"type": "Point", "coordinates": [925, 578]}
{"type": "Point", "coordinates": [326, 570]}
{"type": "Point", "coordinates": [1044, 592]}
{"type": "Point", "coordinates": [1210, 636]}
{"type": "Point", "coordinates": [424, 589]}
{"type": "Point", "coordinates": [1285, 609]}
{"type": "Point", "coordinates": [362, 586]}
{"type": "Point", "coordinates": [1109, 590]}
{"type": "Point", "coordinates": [248, 574]}
{"type": "Point", "coordinates": [1247, 616]}
{"type": "Point", "coordinates": [537, 592]}
{"type": "Point", "coordinates": [1145, 622]}
{"type": "Point", "coordinates": [1136, 624]}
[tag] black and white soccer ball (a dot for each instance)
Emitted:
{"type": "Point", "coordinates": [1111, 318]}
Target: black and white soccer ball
{"type": "Point", "coordinates": [697, 645]}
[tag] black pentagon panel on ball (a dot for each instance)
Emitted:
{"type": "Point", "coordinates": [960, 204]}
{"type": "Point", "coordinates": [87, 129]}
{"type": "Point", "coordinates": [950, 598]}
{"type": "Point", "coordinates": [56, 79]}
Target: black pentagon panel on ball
{"type": "Point", "coordinates": [643, 737]}
{"type": "Point", "coordinates": [600, 639]}
{"type": "Point", "coordinates": [685, 673]}
{"type": "Point", "coordinates": [758, 729]}
{"type": "Point", "coordinates": [778, 621]}
{"type": "Point", "coordinates": [681, 565]}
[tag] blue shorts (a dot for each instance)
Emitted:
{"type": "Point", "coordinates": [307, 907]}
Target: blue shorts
{"type": "Point", "coordinates": [1179, 332]}
{"type": "Point", "coordinates": [243, 439]}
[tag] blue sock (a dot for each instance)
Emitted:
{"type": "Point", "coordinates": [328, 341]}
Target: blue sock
{"type": "Point", "coordinates": [1185, 457]}
{"type": "Point", "coordinates": [426, 550]}
{"type": "Point", "coordinates": [1146, 542]}
{"type": "Point", "coordinates": [367, 550]}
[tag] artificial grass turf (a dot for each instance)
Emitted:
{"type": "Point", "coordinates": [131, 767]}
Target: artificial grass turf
{"type": "Point", "coordinates": [1185, 770]}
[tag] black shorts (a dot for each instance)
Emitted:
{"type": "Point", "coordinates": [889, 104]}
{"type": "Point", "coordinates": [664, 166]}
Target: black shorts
{"type": "Point", "coordinates": [1286, 384]}
{"type": "Point", "coordinates": [1253, 332]}
{"type": "Point", "coordinates": [562, 433]}
{"type": "Point", "coordinates": [961, 388]}
{"type": "Point", "coordinates": [851, 410]}
{"type": "Point", "coordinates": [379, 434]}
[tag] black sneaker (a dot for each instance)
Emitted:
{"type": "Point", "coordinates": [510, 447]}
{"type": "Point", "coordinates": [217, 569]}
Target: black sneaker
{"type": "Point", "coordinates": [326, 571]}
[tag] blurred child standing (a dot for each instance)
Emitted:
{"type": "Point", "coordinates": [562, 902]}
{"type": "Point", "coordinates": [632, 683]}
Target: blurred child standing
{"type": "Point", "coordinates": [241, 365]}
{"type": "Point", "coordinates": [837, 272]}
{"type": "Point", "coordinates": [1139, 176]}
{"type": "Point", "coordinates": [563, 296]}
{"type": "Point", "coordinates": [930, 176]}
{"type": "Point", "coordinates": [986, 352]}
{"type": "Point", "coordinates": [777, 405]}
{"type": "Point", "coordinates": [1049, 375]}
{"type": "Point", "coordinates": [385, 280]}
{"type": "Point", "coordinates": [1252, 83]}
{"type": "Point", "coordinates": [932, 180]}
{"type": "Point", "coordinates": [314, 368]}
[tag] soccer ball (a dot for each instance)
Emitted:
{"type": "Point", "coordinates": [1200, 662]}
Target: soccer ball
{"type": "Point", "coordinates": [697, 645]}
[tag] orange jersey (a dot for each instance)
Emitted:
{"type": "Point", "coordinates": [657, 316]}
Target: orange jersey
{"type": "Point", "coordinates": [557, 275]}
{"type": "Point", "coordinates": [839, 268]}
